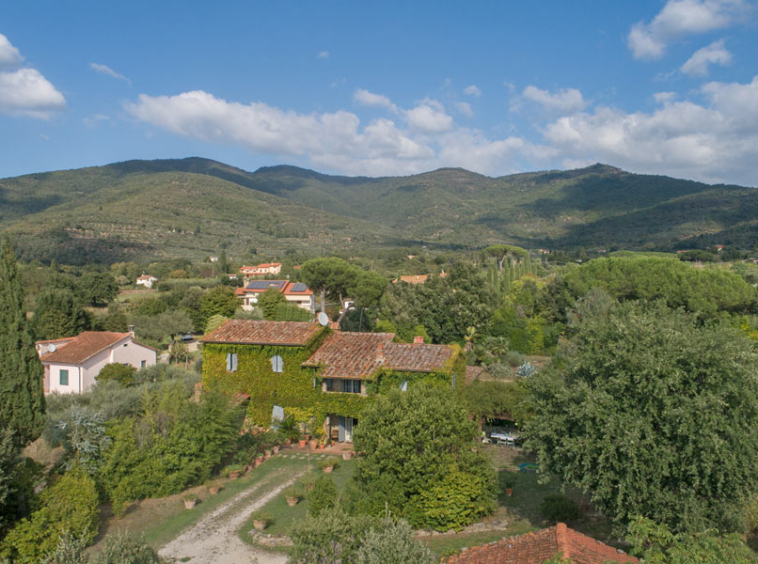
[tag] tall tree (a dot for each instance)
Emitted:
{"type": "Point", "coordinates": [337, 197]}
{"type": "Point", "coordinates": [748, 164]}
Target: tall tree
{"type": "Point", "coordinates": [22, 403]}
{"type": "Point", "coordinates": [58, 313]}
{"type": "Point", "coordinates": [653, 414]}
{"type": "Point", "coordinates": [329, 277]}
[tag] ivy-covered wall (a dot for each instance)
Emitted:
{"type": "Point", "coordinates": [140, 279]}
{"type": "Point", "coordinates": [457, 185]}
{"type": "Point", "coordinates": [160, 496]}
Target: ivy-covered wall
{"type": "Point", "coordinates": [294, 390]}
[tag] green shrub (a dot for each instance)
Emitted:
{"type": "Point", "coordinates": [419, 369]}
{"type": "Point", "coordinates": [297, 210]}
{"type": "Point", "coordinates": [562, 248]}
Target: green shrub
{"type": "Point", "coordinates": [323, 496]}
{"type": "Point", "coordinates": [461, 498]}
{"type": "Point", "coordinates": [70, 550]}
{"type": "Point", "coordinates": [392, 542]}
{"type": "Point", "coordinates": [559, 508]}
{"type": "Point", "coordinates": [127, 549]}
{"type": "Point", "coordinates": [262, 516]}
{"type": "Point", "coordinates": [294, 491]}
{"type": "Point", "coordinates": [69, 505]}
{"type": "Point", "coordinates": [121, 373]}
{"type": "Point", "coordinates": [332, 461]}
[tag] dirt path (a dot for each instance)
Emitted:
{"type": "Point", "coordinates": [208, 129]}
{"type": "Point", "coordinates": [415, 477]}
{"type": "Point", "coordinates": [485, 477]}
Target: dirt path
{"type": "Point", "coordinates": [214, 540]}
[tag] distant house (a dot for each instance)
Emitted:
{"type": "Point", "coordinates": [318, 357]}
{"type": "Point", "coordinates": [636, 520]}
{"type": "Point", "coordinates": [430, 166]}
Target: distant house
{"type": "Point", "coordinates": [213, 258]}
{"type": "Point", "coordinates": [72, 364]}
{"type": "Point", "coordinates": [535, 548]}
{"type": "Point", "coordinates": [146, 280]}
{"type": "Point", "coordinates": [294, 292]}
{"type": "Point", "coordinates": [307, 370]}
{"type": "Point", "coordinates": [266, 268]}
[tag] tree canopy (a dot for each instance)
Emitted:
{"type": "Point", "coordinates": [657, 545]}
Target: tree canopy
{"type": "Point", "coordinates": [652, 413]}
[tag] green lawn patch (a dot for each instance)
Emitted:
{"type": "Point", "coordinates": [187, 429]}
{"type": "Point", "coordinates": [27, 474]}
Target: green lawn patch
{"type": "Point", "coordinates": [284, 515]}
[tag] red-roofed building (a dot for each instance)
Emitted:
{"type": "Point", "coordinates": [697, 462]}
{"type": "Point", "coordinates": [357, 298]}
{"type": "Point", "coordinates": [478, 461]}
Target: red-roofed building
{"type": "Point", "coordinates": [72, 364]}
{"type": "Point", "coordinates": [294, 292]}
{"type": "Point", "coordinates": [304, 367]}
{"type": "Point", "coordinates": [535, 548]}
{"type": "Point", "coordinates": [263, 269]}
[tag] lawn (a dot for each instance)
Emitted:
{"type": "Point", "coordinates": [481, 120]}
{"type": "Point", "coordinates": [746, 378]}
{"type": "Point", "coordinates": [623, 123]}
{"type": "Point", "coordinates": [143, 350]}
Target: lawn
{"type": "Point", "coordinates": [160, 520]}
{"type": "Point", "coordinates": [284, 515]}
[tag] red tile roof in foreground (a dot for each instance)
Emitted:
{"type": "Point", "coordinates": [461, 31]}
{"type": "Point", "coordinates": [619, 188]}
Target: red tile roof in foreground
{"type": "Point", "coordinates": [359, 355]}
{"type": "Point", "coordinates": [82, 347]}
{"type": "Point", "coordinates": [253, 332]}
{"type": "Point", "coordinates": [535, 548]}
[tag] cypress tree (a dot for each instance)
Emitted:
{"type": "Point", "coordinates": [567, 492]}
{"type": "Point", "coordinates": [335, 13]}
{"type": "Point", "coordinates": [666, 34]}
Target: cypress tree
{"type": "Point", "coordinates": [22, 403]}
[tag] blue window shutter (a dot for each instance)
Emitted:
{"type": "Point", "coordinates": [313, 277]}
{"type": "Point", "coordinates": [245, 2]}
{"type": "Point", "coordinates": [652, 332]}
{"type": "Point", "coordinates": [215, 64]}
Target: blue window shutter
{"type": "Point", "coordinates": [404, 386]}
{"type": "Point", "coordinates": [234, 363]}
{"type": "Point", "coordinates": [229, 362]}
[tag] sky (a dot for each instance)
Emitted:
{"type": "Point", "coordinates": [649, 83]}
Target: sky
{"type": "Point", "coordinates": [384, 88]}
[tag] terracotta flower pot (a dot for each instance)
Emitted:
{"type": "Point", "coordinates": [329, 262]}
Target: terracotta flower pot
{"type": "Point", "coordinates": [292, 501]}
{"type": "Point", "coordinates": [258, 461]}
{"type": "Point", "coordinates": [302, 443]}
{"type": "Point", "coordinates": [234, 475]}
{"type": "Point", "coordinates": [328, 469]}
{"type": "Point", "coordinates": [347, 455]}
{"type": "Point", "coordinates": [190, 503]}
{"type": "Point", "coordinates": [213, 490]}
{"type": "Point", "coordinates": [275, 448]}
{"type": "Point", "coordinates": [321, 446]}
{"type": "Point", "coordinates": [509, 492]}
{"type": "Point", "coordinates": [259, 525]}
{"type": "Point", "coordinates": [313, 444]}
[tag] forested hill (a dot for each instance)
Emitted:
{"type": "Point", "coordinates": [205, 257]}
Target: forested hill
{"type": "Point", "coordinates": [188, 207]}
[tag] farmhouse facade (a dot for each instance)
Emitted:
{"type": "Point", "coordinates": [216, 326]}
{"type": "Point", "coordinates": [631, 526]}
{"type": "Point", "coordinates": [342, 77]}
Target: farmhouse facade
{"type": "Point", "coordinates": [72, 364]}
{"type": "Point", "coordinates": [317, 375]}
{"type": "Point", "coordinates": [294, 292]}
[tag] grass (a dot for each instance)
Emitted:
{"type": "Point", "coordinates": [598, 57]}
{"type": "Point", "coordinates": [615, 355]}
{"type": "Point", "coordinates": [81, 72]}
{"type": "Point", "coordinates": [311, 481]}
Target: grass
{"type": "Point", "coordinates": [284, 515]}
{"type": "Point", "coordinates": [160, 520]}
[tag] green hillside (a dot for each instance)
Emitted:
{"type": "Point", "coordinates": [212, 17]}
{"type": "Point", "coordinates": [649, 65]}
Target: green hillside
{"type": "Point", "coordinates": [189, 207]}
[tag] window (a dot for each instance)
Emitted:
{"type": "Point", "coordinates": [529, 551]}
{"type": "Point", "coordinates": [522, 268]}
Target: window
{"type": "Point", "coordinates": [64, 377]}
{"type": "Point", "coordinates": [231, 362]}
{"type": "Point", "coordinates": [143, 363]}
{"type": "Point", "coordinates": [277, 364]}
{"type": "Point", "coordinates": [404, 386]}
{"type": "Point", "coordinates": [353, 386]}
{"type": "Point", "coordinates": [330, 387]}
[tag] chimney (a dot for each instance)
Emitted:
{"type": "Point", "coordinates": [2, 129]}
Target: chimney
{"type": "Point", "coordinates": [418, 340]}
{"type": "Point", "coordinates": [380, 353]}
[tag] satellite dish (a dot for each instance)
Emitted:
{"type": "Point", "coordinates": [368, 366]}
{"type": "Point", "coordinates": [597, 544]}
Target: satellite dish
{"type": "Point", "coordinates": [51, 348]}
{"type": "Point", "coordinates": [323, 319]}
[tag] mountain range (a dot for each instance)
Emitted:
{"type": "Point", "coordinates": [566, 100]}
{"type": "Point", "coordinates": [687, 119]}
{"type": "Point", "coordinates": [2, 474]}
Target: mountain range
{"type": "Point", "coordinates": [191, 207]}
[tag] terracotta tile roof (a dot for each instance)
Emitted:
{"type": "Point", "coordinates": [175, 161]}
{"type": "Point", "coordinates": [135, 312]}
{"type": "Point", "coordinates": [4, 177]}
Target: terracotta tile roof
{"type": "Point", "coordinates": [253, 332]}
{"type": "Point", "coordinates": [535, 548]}
{"type": "Point", "coordinates": [297, 288]}
{"type": "Point", "coordinates": [82, 347]}
{"type": "Point", "coordinates": [357, 355]}
{"type": "Point", "coordinates": [349, 355]}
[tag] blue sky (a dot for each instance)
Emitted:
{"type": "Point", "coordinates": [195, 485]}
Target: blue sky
{"type": "Point", "coordinates": [384, 88]}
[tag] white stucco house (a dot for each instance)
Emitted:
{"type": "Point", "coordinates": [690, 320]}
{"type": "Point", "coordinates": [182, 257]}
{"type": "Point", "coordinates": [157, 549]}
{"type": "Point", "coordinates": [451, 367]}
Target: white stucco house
{"type": "Point", "coordinates": [146, 280]}
{"type": "Point", "coordinates": [72, 364]}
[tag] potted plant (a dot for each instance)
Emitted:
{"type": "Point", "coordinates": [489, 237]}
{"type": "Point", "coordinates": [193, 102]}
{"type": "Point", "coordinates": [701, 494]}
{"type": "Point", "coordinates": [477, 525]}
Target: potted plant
{"type": "Point", "coordinates": [293, 495]}
{"type": "Point", "coordinates": [261, 519]}
{"type": "Point", "coordinates": [308, 481]}
{"type": "Point", "coordinates": [509, 481]}
{"type": "Point", "coordinates": [213, 490]}
{"type": "Point", "coordinates": [267, 453]}
{"type": "Point", "coordinates": [329, 464]}
{"type": "Point", "coordinates": [233, 471]}
{"type": "Point", "coordinates": [190, 501]}
{"type": "Point", "coordinates": [275, 448]}
{"type": "Point", "coordinates": [258, 460]}
{"type": "Point", "coordinates": [302, 442]}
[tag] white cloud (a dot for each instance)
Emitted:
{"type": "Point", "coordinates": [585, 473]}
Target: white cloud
{"type": "Point", "coordinates": [565, 101]}
{"type": "Point", "coordinates": [323, 54]}
{"type": "Point", "coordinates": [24, 91]}
{"type": "Point", "coordinates": [429, 117]}
{"type": "Point", "coordinates": [27, 92]}
{"type": "Point", "coordinates": [464, 108]}
{"type": "Point", "coordinates": [713, 142]}
{"type": "Point", "coordinates": [93, 120]}
{"type": "Point", "coordinates": [366, 98]}
{"type": "Point", "coordinates": [106, 70]}
{"type": "Point", "coordinates": [9, 55]}
{"type": "Point", "coordinates": [715, 53]}
{"type": "Point", "coordinates": [679, 18]}
{"type": "Point", "coordinates": [664, 97]}
{"type": "Point", "coordinates": [472, 90]}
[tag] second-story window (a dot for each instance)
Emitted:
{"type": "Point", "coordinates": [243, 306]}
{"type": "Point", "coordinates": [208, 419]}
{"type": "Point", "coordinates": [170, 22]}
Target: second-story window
{"type": "Point", "coordinates": [353, 386]}
{"type": "Point", "coordinates": [231, 362]}
{"type": "Point", "coordinates": [277, 364]}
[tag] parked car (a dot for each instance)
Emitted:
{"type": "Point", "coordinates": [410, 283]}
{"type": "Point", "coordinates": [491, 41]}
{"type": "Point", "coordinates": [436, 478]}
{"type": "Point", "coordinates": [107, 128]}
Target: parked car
{"type": "Point", "coordinates": [187, 337]}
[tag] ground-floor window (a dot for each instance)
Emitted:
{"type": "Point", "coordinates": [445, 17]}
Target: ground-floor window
{"type": "Point", "coordinates": [64, 377]}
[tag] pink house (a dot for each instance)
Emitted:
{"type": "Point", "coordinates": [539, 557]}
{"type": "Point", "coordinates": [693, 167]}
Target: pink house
{"type": "Point", "coordinates": [72, 364]}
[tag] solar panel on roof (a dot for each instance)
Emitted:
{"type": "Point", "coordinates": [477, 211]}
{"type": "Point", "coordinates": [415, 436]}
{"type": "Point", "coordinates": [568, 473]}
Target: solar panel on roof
{"type": "Point", "coordinates": [265, 284]}
{"type": "Point", "coordinates": [299, 287]}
